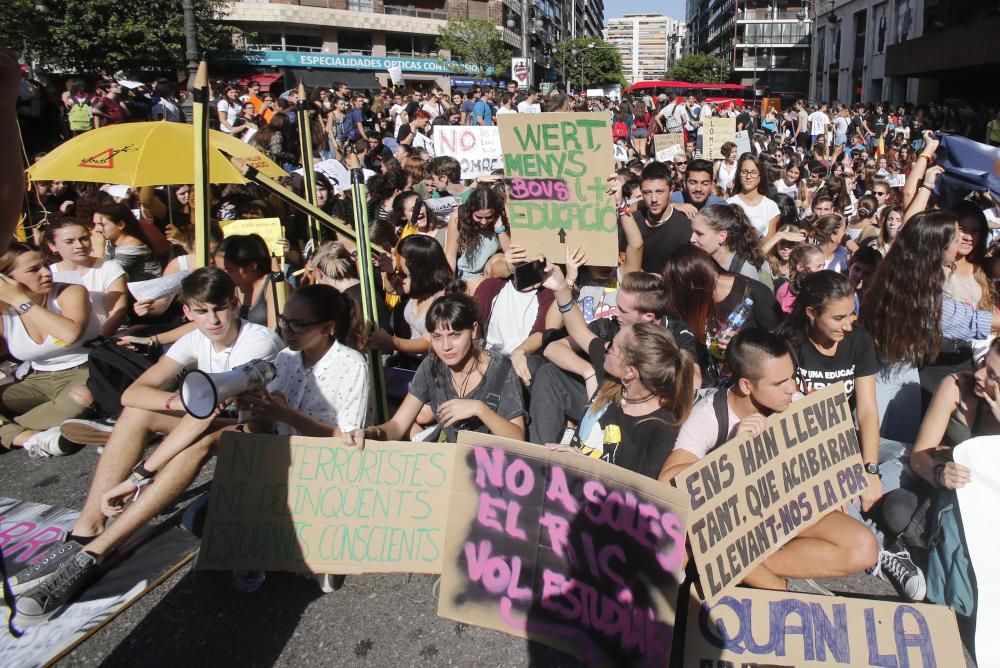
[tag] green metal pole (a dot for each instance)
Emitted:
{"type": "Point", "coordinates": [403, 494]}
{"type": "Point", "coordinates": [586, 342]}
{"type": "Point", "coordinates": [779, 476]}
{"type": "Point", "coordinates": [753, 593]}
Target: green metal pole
{"type": "Point", "coordinates": [306, 152]}
{"type": "Point", "coordinates": [369, 293]}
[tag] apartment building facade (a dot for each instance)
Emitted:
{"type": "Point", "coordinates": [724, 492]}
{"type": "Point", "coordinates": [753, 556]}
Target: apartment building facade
{"type": "Point", "coordinates": [649, 44]}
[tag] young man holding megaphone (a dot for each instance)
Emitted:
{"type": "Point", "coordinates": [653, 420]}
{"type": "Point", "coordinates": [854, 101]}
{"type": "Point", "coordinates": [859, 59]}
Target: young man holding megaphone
{"type": "Point", "coordinates": [224, 356]}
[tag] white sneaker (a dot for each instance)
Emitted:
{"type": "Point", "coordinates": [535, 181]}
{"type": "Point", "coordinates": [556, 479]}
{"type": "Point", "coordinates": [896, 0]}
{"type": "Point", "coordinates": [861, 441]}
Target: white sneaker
{"type": "Point", "coordinates": [47, 444]}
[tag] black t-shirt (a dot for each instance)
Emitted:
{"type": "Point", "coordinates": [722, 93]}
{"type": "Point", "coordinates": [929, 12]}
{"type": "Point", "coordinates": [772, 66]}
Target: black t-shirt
{"type": "Point", "coordinates": [404, 132]}
{"type": "Point", "coordinates": [878, 123]}
{"type": "Point", "coordinates": [637, 443]}
{"type": "Point", "coordinates": [411, 108]}
{"type": "Point", "coordinates": [765, 311]}
{"type": "Point", "coordinates": [660, 241]}
{"type": "Point", "coordinates": [742, 121]}
{"type": "Point", "coordinates": [855, 358]}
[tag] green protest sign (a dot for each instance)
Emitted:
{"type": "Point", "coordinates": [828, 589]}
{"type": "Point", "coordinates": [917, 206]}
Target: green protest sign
{"type": "Point", "coordinates": [556, 168]}
{"type": "Point", "coordinates": [312, 505]}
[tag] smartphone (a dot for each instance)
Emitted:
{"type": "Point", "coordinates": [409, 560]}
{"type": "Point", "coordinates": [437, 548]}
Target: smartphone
{"type": "Point", "coordinates": [529, 274]}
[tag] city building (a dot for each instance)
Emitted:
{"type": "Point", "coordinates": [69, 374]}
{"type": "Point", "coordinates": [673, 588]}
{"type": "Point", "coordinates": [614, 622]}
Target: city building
{"type": "Point", "coordinates": [905, 50]}
{"type": "Point", "coordinates": [355, 41]}
{"type": "Point", "coordinates": [766, 42]}
{"type": "Point", "coordinates": [649, 44]}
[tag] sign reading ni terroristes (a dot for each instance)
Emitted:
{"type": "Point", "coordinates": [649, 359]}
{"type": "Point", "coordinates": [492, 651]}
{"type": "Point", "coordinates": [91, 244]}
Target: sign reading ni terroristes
{"type": "Point", "coordinates": [312, 505]}
{"type": "Point", "coordinates": [750, 496]}
{"type": "Point", "coordinates": [565, 550]}
{"type": "Point", "coordinates": [556, 167]}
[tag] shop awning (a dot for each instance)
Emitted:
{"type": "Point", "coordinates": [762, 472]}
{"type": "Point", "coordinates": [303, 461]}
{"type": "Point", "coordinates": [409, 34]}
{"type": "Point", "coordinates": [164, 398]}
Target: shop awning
{"type": "Point", "coordinates": [326, 78]}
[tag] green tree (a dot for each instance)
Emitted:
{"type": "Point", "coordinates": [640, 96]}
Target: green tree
{"type": "Point", "coordinates": [699, 68]}
{"type": "Point", "coordinates": [94, 36]}
{"type": "Point", "coordinates": [475, 41]}
{"type": "Point", "coordinates": [586, 61]}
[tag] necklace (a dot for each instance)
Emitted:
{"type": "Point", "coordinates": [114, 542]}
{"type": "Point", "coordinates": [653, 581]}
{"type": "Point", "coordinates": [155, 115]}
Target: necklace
{"type": "Point", "coordinates": [640, 400]}
{"type": "Point", "coordinates": [465, 381]}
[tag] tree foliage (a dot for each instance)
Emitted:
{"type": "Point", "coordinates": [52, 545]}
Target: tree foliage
{"type": "Point", "coordinates": [590, 62]}
{"type": "Point", "coordinates": [475, 41]}
{"type": "Point", "coordinates": [699, 68]}
{"type": "Point", "coordinates": [95, 36]}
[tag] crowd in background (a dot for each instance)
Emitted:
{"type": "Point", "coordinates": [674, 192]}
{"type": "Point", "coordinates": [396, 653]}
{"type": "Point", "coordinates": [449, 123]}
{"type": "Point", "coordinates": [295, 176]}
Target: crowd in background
{"type": "Point", "coordinates": [819, 255]}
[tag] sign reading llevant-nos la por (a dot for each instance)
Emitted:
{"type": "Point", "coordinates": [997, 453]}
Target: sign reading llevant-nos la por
{"type": "Point", "coordinates": [556, 167]}
{"type": "Point", "coordinates": [752, 495]}
{"type": "Point", "coordinates": [565, 550]}
{"type": "Point", "coordinates": [312, 505]}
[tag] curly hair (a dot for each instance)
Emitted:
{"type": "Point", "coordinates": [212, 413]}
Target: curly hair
{"type": "Point", "coordinates": [741, 236]}
{"type": "Point", "coordinates": [902, 308]}
{"type": "Point", "coordinates": [470, 235]}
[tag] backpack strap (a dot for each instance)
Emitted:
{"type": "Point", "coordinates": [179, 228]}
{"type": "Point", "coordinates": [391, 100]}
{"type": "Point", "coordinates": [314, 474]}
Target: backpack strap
{"type": "Point", "coordinates": [720, 403]}
{"type": "Point", "coordinates": [495, 386]}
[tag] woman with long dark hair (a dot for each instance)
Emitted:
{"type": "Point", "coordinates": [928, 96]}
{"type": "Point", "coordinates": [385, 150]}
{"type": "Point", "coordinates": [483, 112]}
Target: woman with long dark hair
{"type": "Point", "coordinates": [125, 242]}
{"type": "Point", "coordinates": [750, 192]}
{"type": "Point", "coordinates": [725, 232]}
{"type": "Point", "coordinates": [465, 386]}
{"type": "Point", "coordinates": [704, 296]}
{"type": "Point", "coordinates": [914, 321]}
{"type": "Point", "coordinates": [248, 262]}
{"type": "Point", "coordinates": [478, 236]}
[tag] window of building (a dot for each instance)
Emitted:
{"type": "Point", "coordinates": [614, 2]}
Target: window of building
{"type": "Point", "coordinates": [398, 44]}
{"type": "Point", "coordinates": [354, 43]}
{"type": "Point", "coordinates": [360, 5]}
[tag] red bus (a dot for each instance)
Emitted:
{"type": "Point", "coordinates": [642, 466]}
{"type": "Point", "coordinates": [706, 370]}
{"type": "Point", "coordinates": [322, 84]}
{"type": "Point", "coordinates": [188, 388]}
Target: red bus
{"type": "Point", "coordinates": [713, 92]}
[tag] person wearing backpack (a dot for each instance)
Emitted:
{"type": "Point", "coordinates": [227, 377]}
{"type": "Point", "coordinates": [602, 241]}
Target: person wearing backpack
{"type": "Point", "coordinates": [78, 111]}
{"type": "Point", "coordinates": [672, 117]}
{"type": "Point", "coordinates": [354, 123]}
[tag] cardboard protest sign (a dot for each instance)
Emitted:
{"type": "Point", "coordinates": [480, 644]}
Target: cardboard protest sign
{"type": "Point", "coordinates": [758, 627]}
{"type": "Point", "coordinates": [441, 207]}
{"type": "Point", "coordinates": [557, 166]}
{"type": "Point", "coordinates": [717, 131]}
{"type": "Point", "coordinates": [978, 502]}
{"type": "Point", "coordinates": [666, 146]}
{"type": "Point", "coordinates": [476, 147]}
{"type": "Point", "coordinates": [752, 495]}
{"type": "Point", "coordinates": [565, 550]}
{"type": "Point", "coordinates": [312, 505]}
{"type": "Point", "coordinates": [335, 173]}
{"type": "Point", "coordinates": [420, 140]}
{"type": "Point", "coordinates": [269, 230]}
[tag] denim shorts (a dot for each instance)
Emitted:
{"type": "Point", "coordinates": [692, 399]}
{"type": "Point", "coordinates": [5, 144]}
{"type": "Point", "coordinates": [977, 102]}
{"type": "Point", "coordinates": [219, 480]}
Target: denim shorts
{"type": "Point", "coordinates": [639, 133]}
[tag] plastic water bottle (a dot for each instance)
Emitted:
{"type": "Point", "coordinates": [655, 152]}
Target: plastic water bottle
{"type": "Point", "coordinates": [734, 323]}
{"type": "Point", "coordinates": [246, 582]}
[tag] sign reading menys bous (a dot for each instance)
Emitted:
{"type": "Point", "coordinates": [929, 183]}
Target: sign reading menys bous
{"type": "Point", "coordinates": [312, 505]}
{"type": "Point", "coordinates": [757, 627]}
{"type": "Point", "coordinates": [750, 496]}
{"type": "Point", "coordinates": [556, 167]}
{"type": "Point", "coordinates": [565, 550]}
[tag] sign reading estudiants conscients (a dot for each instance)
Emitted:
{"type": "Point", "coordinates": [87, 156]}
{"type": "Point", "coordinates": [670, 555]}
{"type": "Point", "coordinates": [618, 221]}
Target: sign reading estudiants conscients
{"type": "Point", "coordinates": [312, 505]}
{"type": "Point", "coordinates": [757, 627]}
{"type": "Point", "coordinates": [556, 168]}
{"type": "Point", "coordinates": [565, 550]}
{"type": "Point", "coordinates": [754, 494]}
{"type": "Point", "coordinates": [477, 148]}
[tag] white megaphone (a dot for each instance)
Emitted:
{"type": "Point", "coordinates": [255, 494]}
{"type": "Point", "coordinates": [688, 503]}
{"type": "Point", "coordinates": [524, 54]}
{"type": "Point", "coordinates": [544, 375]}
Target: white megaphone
{"type": "Point", "coordinates": [202, 392]}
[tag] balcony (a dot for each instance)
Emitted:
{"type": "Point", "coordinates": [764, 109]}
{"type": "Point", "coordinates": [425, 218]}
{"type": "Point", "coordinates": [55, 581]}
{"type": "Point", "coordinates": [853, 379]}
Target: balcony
{"type": "Point", "coordinates": [285, 47]}
{"type": "Point", "coordinates": [769, 14]}
{"type": "Point", "coordinates": [439, 14]}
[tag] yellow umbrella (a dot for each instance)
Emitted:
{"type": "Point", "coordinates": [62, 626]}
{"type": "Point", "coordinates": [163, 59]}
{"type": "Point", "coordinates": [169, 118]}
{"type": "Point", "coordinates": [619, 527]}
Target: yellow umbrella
{"type": "Point", "coordinates": [146, 154]}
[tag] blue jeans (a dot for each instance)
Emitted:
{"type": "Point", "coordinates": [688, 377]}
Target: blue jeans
{"type": "Point", "coordinates": [894, 465]}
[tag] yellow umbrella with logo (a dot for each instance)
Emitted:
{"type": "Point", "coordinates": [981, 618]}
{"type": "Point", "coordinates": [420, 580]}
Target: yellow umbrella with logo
{"type": "Point", "coordinates": [147, 154]}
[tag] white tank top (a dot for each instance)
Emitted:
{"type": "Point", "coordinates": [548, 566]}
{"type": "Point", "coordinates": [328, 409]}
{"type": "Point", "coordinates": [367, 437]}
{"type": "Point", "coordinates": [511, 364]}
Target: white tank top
{"type": "Point", "coordinates": [726, 175]}
{"type": "Point", "coordinates": [51, 354]}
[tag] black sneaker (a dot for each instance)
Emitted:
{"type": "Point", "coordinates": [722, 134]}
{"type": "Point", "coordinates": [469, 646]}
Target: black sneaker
{"type": "Point", "coordinates": [897, 568]}
{"type": "Point", "coordinates": [40, 573]}
{"type": "Point", "coordinates": [72, 576]}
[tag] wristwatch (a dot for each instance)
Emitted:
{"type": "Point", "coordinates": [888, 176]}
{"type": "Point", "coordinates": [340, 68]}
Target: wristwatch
{"type": "Point", "coordinates": [25, 307]}
{"type": "Point", "coordinates": [873, 469]}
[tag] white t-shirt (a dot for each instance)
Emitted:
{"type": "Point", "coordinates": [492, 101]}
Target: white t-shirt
{"type": "Point", "coordinates": [231, 110]}
{"type": "Point", "coordinates": [524, 108]}
{"type": "Point", "coordinates": [254, 342]}
{"type": "Point", "coordinates": [819, 121]}
{"type": "Point", "coordinates": [97, 280]}
{"type": "Point", "coordinates": [511, 319]}
{"type": "Point", "coordinates": [706, 113]}
{"type": "Point", "coordinates": [334, 391]}
{"type": "Point", "coordinates": [505, 110]}
{"type": "Point", "coordinates": [673, 111]}
{"type": "Point", "coordinates": [760, 215]}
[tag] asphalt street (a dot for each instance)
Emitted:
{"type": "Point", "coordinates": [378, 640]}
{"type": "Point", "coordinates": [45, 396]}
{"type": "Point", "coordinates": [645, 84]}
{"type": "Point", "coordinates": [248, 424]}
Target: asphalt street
{"type": "Point", "coordinates": [197, 618]}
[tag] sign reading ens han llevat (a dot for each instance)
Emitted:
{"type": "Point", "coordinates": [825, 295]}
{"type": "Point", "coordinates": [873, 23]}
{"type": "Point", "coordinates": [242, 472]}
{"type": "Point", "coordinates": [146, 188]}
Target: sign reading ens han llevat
{"type": "Point", "coordinates": [565, 550]}
{"type": "Point", "coordinates": [556, 167]}
{"type": "Point", "coordinates": [752, 495]}
{"type": "Point", "coordinates": [306, 505]}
